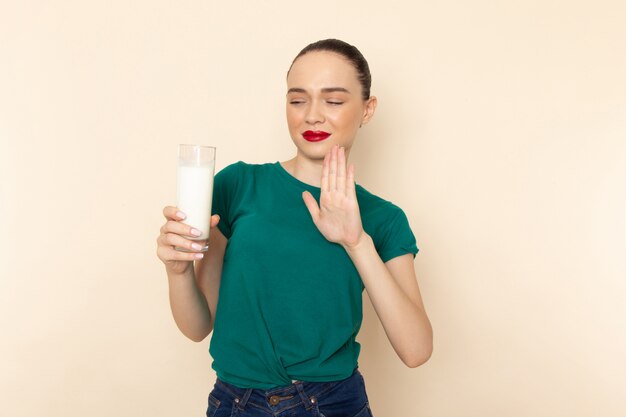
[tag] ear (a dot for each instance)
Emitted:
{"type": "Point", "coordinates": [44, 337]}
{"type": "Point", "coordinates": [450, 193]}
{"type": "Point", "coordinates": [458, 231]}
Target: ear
{"type": "Point", "coordinates": [370, 108]}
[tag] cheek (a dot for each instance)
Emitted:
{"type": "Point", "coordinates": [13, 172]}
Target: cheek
{"type": "Point", "coordinates": [292, 118]}
{"type": "Point", "coordinates": [346, 119]}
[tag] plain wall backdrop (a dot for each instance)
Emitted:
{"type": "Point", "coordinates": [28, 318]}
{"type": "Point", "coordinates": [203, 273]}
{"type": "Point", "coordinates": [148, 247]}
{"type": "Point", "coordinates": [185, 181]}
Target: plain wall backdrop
{"type": "Point", "coordinates": [501, 131]}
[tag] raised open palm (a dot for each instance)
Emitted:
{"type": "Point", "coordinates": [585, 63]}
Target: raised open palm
{"type": "Point", "coordinates": [337, 217]}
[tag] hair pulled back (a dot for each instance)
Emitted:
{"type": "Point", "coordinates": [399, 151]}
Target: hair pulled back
{"type": "Point", "coordinates": [349, 52]}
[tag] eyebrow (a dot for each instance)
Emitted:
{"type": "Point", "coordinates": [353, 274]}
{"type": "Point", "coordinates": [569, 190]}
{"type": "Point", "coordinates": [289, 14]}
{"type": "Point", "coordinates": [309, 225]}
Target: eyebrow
{"type": "Point", "coordinates": [324, 90]}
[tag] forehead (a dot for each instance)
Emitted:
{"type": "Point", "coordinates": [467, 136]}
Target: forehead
{"type": "Point", "coordinates": [322, 69]}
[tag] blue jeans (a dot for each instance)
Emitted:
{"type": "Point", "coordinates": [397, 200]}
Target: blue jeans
{"type": "Point", "coordinates": [345, 398]}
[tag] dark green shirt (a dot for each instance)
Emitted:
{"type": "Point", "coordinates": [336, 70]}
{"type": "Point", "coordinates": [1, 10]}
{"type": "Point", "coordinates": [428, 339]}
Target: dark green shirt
{"type": "Point", "coordinates": [290, 302]}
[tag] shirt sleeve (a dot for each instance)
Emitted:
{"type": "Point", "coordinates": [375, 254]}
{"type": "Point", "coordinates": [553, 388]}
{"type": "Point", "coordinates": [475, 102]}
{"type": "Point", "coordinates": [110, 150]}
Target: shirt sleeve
{"type": "Point", "coordinates": [398, 238]}
{"type": "Point", "coordinates": [225, 186]}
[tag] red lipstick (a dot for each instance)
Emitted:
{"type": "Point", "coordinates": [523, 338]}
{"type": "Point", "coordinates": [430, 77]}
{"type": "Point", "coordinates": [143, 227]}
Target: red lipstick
{"type": "Point", "coordinates": [315, 136]}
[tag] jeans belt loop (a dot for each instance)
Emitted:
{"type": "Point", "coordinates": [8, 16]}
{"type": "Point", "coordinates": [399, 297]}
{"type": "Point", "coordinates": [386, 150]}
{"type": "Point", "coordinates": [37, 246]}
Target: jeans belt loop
{"type": "Point", "coordinates": [241, 402]}
{"type": "Point", "coordinates": [308, 402]}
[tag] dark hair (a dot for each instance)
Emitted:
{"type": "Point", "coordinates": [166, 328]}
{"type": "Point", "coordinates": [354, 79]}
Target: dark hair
{"type": "Point", "coordinates": [349, 52]}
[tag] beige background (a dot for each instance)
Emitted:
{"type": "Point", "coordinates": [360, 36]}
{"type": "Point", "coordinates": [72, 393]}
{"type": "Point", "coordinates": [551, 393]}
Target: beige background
{"type": "Point", "coordinates": [501, 131]}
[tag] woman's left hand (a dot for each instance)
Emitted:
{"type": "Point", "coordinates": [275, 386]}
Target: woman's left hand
{"type": "Point", "coordinates": [337, 217]}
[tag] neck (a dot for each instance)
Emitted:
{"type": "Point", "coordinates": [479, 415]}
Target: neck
{"type": "Point", "coordinates": [307, 170]}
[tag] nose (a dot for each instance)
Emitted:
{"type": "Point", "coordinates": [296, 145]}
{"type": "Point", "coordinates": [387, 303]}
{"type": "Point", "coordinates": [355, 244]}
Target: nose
{"type": "Point", "coordinates": [314, 114]}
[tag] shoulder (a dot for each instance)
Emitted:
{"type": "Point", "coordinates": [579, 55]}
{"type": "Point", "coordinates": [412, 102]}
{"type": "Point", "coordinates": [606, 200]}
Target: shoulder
{"type": "Point", "coordinates": [241, 166]}
{"type": "Point", "coordinates": [387, 224]}
{"type": "Point", "coordinates": [380, 216]}
{"type": "Point", "coordinates": [371, 204]}
{"type": "Point", "coordinates": [241, 169]}
{"type": "Point", "coordinates": [234, 168]}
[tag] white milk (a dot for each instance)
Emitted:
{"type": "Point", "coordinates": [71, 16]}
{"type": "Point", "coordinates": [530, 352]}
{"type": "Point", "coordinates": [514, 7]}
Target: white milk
{"type": "Point", "coordinates": [195, 194]}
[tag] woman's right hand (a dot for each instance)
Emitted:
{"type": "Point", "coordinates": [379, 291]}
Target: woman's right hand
{"type": "Point", "coordinates": [173, 234]}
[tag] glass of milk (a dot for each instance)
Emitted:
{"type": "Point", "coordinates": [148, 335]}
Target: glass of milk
{"type": "Point", "coordinates": [196, 168]}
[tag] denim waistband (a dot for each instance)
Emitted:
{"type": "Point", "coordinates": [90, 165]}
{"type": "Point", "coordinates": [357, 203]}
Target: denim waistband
{"type": "Point", "coordinates": [282, 398]}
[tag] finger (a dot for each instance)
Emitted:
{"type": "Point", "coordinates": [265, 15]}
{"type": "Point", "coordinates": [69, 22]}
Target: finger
{"type": "Point", "coordinates": [325, 170]}
{"type": "Point", "coordinates": [215, 219]}
{"type": "Point", "coordinates": [172, 213]}
{"type": "Point", "coordinates": [168, 253]}
{"type": "Point", "coordinates": [178, 241]}
{"type": "Point", "coordinates": [179, 228]}
{"type": "Point", "coordinates": [350, 184]}
{"type": "Point", "coordinates": [332, 174]}
{"type": "Point", "coordinates": [311, 205]}
{"type": "Point", "coordinates": [341, 169]}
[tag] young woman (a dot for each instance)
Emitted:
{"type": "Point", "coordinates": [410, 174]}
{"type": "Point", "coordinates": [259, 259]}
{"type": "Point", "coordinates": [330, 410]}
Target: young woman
{"type": "Point", "coordinates": [292, 246]}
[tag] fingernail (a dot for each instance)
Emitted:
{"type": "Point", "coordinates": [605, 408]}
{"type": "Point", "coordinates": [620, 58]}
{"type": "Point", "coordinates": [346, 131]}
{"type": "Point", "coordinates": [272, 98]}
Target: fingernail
{"type": "Point", "coordinates": [196, 232]}
{"type": "Point", "coordinates": [181, 215]}
{"type": "Point", "coordinates": [199, 255]}
{"type": "Point", "coordinates": [196, 246]}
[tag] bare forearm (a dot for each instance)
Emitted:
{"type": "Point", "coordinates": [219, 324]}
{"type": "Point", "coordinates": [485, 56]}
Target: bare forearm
{"type": "Point", "coordinates": [405, 322]}
{"type": "Point", "coordinates": [189, 306]}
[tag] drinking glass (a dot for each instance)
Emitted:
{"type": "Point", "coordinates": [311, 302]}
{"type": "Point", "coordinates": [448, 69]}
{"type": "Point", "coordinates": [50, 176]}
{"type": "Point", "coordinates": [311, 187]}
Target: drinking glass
{"type": "Point", "coordinates": [196, 168]}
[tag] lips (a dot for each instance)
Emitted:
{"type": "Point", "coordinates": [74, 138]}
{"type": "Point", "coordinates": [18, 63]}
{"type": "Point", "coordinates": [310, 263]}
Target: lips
{"type": "Point", "coordinates": [315, 136]}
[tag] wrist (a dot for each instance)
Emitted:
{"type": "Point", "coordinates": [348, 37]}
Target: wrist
{"type": "Point", "coordinates": [363, 242]}
{"type": "Point", "coordinates": [181, 274]}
